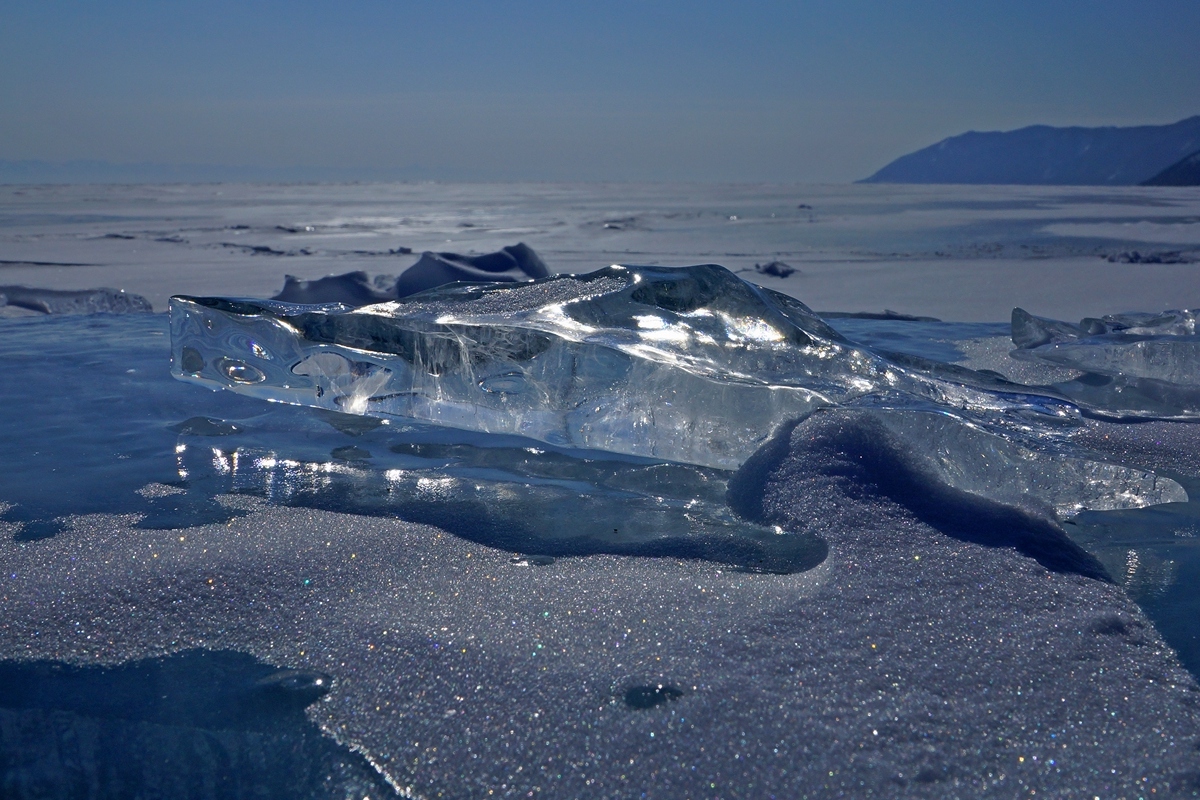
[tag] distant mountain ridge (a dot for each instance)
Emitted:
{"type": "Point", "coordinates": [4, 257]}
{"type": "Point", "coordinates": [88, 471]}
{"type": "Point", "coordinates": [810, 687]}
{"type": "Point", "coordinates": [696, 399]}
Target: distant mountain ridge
{"type": "Point", "coordinates": [1185, 172]}
{"type": "Point", "coordinates": [1042, 154]}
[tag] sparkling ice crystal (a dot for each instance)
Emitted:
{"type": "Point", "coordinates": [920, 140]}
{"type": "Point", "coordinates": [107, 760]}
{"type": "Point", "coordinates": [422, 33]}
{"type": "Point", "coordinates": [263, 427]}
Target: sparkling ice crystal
{"type": "Point", "coordinates": [690, 365]}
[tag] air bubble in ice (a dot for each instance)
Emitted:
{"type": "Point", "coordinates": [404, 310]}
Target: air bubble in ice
{"type": "Point", "coordinates": [505, 383]}
{"type": "Point", "coordinates": [240, 371]}
{"type": "Point", "coordinates": [324, 363]}
{"type": "Point", "coordinates": [205, 426]}
{"type": "Point", "coordinates": [298, 687]}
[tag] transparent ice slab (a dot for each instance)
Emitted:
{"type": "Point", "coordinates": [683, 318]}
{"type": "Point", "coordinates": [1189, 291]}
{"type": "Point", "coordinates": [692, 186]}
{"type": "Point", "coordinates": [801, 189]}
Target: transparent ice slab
{"type": "Point", "coordinates": [687, 364]}
{"type": "Point", "coordinates": [690, 365]}
{"type": "Point", "coordinates": [133, 442]}
{"type": "Point", "coordinates": [1134, 365]}
{"type": "Point", "coordinates": [1045, 477]}
{"type": "Point", "coordinates": [519, 499]}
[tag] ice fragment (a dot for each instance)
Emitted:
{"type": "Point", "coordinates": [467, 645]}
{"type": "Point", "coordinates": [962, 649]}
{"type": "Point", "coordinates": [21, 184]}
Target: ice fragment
{"type": "Point", "coordinates": [691, 365]}
{"type": "Point", "coordinates": [1135, 365]}
{"type": "Point", "coordinates": [85, 301]}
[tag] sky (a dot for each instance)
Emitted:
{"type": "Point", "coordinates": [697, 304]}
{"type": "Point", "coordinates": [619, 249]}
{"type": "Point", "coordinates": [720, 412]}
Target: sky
{"type": "Point", "coordinates": [573, 90]}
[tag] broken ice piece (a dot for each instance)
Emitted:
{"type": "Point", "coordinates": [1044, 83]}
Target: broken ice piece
{"type": "Point", "coordinates": [1048, 477]}
{"type": "Point", "coordinates": [687, 364]}
{"type": "Point", "coordinates": [84, 301]}
{"type": "Point", "coordinates": [690, 364]}
{"type": "Point", "coordinates": [1160, 347]}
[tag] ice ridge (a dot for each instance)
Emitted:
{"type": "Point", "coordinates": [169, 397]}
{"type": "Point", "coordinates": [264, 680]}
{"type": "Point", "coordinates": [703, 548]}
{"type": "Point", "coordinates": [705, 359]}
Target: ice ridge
{"type": "Point", "coordinates": [1134, 365]}
{"type": "Point", "coordinates": [85, 301]}
{"type": "Point", "coordinates": [689, 364]}
{"type": "Point", "coordinates": [514, 263]}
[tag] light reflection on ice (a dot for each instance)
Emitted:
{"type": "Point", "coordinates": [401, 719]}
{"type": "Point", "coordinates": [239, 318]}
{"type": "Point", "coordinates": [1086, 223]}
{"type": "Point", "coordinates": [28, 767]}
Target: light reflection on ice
{"type": "Point", "coordinates": [690, 365]}
{"type": "Point", "coordinates": [742, 330]}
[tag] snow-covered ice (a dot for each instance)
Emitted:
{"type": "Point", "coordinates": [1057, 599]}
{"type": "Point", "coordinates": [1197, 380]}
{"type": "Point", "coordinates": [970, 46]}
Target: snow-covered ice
{"type": "Point", "coordinates": [965, 253]}
{"type": "Point", "coordinates": [951, 572]}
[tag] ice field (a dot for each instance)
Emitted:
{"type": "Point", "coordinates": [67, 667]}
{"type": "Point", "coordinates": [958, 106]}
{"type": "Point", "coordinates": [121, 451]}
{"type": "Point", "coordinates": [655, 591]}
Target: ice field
{"type": "Point", "coordinates": [820, 515]}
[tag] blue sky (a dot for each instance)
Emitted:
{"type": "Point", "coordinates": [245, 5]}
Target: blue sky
{"type": "Point", "coordinates": [615, 90]}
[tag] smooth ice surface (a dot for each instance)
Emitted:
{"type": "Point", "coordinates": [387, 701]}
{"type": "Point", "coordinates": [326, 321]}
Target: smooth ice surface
{"type": "Point", "coordinates": [192, 724]}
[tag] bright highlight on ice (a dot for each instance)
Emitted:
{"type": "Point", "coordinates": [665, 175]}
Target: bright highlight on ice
{"type": "Point", "coordinates": [691, 365]}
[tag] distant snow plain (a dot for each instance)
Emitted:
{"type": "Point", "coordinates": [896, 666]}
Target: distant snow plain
{"type": "Point", "coordinates": [961, 253]}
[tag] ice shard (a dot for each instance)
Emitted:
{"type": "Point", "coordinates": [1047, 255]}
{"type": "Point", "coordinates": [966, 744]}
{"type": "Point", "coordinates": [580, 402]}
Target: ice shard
{"type": "Point", "coordinates": [1162, 346]}
{"type": "Point", "coordinates": [514, 263]}
{"type": "Point", "coordinates": [1134, 365]}
{"type": "Point", "coordinates": [682, 364]}
{"type": "Point", "coordinates": [1043, 477]}
{"type": "Point", "coordinates": [690, 365]}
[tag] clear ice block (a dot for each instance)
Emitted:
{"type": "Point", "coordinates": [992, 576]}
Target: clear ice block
{"type": "Point", "coordinates": [1134, 365]}
{"type": "Point", "coordinates": [683, 364]}
{"type": "Point", "coordinates": [689, 364]}
{"type": "Point", "coordinates": [1042, 476]}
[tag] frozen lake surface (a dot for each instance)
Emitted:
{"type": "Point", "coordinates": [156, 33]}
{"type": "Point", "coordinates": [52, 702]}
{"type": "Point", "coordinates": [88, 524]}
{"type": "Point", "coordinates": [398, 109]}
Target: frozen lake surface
{"type": "Point", "coordinates": [988, 592]}
{"type": "Point", "coordinates": [967, 254]}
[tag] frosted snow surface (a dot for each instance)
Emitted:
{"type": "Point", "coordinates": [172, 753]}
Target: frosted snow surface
{"type": "Point", "coordinates": [691, 365]}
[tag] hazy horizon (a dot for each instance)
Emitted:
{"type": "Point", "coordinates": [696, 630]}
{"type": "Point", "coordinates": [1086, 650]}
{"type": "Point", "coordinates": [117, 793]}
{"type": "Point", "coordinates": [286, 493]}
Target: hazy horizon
{"type": "Point", "coordinates": [469, 91]}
